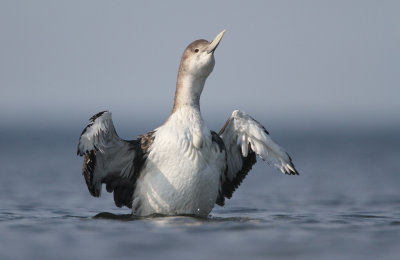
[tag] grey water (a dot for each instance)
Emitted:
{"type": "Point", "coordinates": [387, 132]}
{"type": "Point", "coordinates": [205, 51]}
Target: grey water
{"type": "Point", "coordinates": [344, 205]}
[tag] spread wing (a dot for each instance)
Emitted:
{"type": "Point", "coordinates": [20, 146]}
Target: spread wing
{"type": "Point", "coordinates": [244, 137]}
{"type": "Point", "coordinates": [111, 160]}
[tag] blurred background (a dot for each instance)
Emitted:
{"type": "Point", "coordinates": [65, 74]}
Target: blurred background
{"type": "Point", "coordinates": [322, 76]}
{"type": "Point", "coordinates": [289, 64]}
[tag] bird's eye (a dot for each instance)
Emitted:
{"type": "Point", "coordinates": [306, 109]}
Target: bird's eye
{"type": "Point", "coordinates": [196, 50]}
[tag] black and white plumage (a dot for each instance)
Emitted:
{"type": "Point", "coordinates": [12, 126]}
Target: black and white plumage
{"type": "Point", "coordinates": [181, 167]}
{"type": "Point", "coordinates": [243, 138]}
{"type": "Point", "coordinates": [111, 160]}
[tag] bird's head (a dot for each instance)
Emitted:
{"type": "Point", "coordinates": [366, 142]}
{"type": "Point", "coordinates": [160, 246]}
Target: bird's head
{"type": "Point", "coordinates": [198, 57]}
{"type": "Point", "coordinates": [196, 64]}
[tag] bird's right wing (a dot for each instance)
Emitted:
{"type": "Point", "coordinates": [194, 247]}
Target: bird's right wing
{"type": "Point", "coordinates": [244, 137]}
{"type": "Point", "coordinates": [110, 159]}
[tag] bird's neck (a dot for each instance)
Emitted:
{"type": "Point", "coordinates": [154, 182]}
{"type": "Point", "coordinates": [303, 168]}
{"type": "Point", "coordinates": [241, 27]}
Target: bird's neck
{"type": "Point", "coordinates": [188, 91]}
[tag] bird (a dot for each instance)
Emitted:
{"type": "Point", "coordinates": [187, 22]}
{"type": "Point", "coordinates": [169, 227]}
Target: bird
{"type": "Point", "coordinates": [181, 167]}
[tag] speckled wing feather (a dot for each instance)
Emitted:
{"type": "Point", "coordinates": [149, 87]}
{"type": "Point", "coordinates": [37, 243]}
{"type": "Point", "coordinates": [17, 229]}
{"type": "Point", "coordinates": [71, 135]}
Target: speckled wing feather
{"type": "Point", "coordinates": [111, 160]}
{"type": "Point", "coordinates": [244, 137]}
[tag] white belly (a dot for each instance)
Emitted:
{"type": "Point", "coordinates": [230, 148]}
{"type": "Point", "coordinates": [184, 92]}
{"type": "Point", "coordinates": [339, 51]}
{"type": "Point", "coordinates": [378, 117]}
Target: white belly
{"type": "Point", "coordinates": [181, 174]}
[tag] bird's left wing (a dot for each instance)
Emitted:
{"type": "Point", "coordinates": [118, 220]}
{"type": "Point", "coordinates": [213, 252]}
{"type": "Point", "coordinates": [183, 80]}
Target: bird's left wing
{"type": "Point", "coordinates": [244, 137]}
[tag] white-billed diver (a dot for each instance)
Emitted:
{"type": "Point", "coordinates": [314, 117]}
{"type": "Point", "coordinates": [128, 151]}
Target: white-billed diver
{"type": "Point", "coordinates": [181, 167]}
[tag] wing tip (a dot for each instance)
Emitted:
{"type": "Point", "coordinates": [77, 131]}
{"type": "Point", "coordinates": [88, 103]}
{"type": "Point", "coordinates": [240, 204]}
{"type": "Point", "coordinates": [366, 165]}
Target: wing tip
{"type": "Point", "coordinates": [293, 173]}
{"type": "Point", "coordinates": [291, 170]}
{"type": "Point", "coordinates": [80, 151]}
{"type": "Point", "coordinates": [94, 117]}
{"type": "Point", "coordinates": [291, 167]}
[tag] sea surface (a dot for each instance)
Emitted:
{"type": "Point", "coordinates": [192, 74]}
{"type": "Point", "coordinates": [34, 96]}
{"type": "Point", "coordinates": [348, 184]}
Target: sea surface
{"type": "Point", "coordinates": [344, 205]}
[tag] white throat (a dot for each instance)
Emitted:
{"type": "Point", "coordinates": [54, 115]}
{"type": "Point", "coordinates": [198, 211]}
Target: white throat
{"type": "Point", "coordinates": [188, 91]}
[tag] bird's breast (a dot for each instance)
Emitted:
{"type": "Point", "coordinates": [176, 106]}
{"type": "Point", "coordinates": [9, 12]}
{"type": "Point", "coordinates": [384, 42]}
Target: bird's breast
{"type": "Point", "coordinates": [181, 175]}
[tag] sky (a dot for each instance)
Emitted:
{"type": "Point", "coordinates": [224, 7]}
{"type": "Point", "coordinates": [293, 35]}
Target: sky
{"type": "Point", "coordinates": [287, 63]}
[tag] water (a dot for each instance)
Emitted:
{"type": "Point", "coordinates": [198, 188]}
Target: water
{"type": "Point", "coordinates": [344, 205]}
